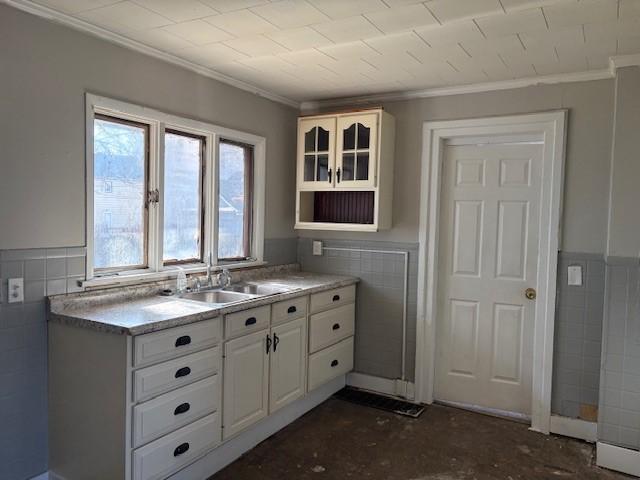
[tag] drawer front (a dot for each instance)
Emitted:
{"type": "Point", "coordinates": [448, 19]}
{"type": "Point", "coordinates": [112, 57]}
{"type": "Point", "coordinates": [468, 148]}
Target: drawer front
{"type": "Point", "coordinates": [246, 321]}
{"type": "Point", "coordinates": [330, 363]}
{"type": "Point", "coordinates": [151, 381]}
{"type": "Point", "coordinates": [282, 312]}
{"type": "Point", "coordinates": [173, 342]}
{"type": "Point", "coordinates": [168, 454]}
{"type": "Point", "coordinates": [330, 298]}
{"type": "Point", "coordinates": [327, 328]}
{"type": "Point", "coordinates": [172, 410]}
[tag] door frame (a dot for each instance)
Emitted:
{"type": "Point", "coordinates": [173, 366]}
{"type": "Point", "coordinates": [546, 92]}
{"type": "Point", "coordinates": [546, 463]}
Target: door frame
{"type": "Point", "coordinates": [552, 127]}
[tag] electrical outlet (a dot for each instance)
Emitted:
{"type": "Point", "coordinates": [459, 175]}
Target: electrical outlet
{"type": "Point", "coordinates": [574, 275]}
{"type": "Point", "coordinates": [317, 247]}
{"type": "Point", "coordinates": [15, 292]}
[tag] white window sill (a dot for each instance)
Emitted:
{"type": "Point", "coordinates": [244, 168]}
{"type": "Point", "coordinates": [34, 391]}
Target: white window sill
{"type": "Point", "coordinates": [141, 276]}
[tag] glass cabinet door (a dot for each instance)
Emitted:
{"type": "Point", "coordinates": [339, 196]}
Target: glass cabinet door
{"type": "Point", "coordinates": [316, 154]}
{"type": "Point", "coordinates": [357, 148]}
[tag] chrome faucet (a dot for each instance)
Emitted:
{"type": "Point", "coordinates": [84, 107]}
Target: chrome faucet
{"type": "Point", "coordinates": [209, 279]}
{"type": "Point", "coordinates": [224, 278]}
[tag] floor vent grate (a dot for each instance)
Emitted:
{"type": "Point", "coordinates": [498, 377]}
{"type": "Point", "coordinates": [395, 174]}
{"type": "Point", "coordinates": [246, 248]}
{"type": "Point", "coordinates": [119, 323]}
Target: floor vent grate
{"type": "Point", "coordinates": [380, 402]}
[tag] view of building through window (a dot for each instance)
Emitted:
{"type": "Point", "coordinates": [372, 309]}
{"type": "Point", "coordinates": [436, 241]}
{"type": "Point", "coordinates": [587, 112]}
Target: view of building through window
{"type": "Point", "coordinates": [120, 158]}
{"type": "Point", "coordinates": [235, 171]}
{"type": "Point", "coordinates": [183, 157]}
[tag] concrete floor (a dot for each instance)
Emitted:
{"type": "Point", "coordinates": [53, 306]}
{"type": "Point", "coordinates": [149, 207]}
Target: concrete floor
{"type": "Point", "coordinates": [340, 440]}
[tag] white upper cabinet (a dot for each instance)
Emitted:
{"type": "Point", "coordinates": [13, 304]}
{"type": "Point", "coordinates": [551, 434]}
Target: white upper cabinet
{"type": "Point", "coordinates": [345, 171]}
{"type": "Point", "coordinates": [316, 153]}
{"type": "Point", "coordinates": [356, 152]}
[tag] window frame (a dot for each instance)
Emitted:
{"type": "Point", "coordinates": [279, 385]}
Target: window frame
{"type": "Point", "coordinates": [248, 203]}
{"type": "Point", "coordinates": [158, 123]}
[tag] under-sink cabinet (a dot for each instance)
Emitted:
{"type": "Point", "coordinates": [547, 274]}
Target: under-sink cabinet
{"type": "Point", "coordinates": [143, 407]}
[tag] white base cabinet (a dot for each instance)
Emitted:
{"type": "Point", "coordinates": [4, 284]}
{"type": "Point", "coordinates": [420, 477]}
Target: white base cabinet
{"type": "Point", "coordinates": [145, 407]}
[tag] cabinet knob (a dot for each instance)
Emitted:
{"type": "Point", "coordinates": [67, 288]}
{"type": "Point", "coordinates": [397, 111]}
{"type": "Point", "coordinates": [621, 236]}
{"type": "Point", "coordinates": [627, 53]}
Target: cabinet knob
{"type": "Point", "coordinates": [250, 321]}
{"type": "Point", "coordinates": [336, 326]}
{"type": "Point", "coordinates": [336, 298]}
{"type": "Point", "coordinates": [182, 341]}
{"type": "Point", "coordinates": [292, 309]}
{"type": "Point", "coordinates": [182, 408]}
{"type": "Point", "coordinates": [334, 363]}
{"type": "Point", "coordinates": [180, 449]}
{"type": "Point", "coordinates": [183, 372]}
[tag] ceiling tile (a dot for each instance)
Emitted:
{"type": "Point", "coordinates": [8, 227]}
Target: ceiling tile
{"type": "Point", "coordinates": [160, 39]}
{"type": "Point", "coordinates": [554, 67]}
{"type": "Point", "coordinates": [348, 29]}
{"type": "Point", "coordinates": [452, 33]}
{"type": "Point", "coordinates": [241, 23]}
{"type": "Point", "coordinates": [299, 38]}
{"type": "Point", "coordinates": [348, 50]}
{"type": "Point", "coordinates": [233, 5]}
{"type": "Point", "coordinates": [402, 18]}
{"type": "Point", "coordinates": [338, 9]}
{"type": "Point", "coordinates": [514, 5]}
{"type": "Point", "coordinates": [598, 32]}
{"type": "Point", "coordinates": [177, 11]}
{"type": "Point", "coordinates": [448, 10]}
{"type": "Point", "coordinates": [396, 43]}
{"type": "Point", "coordinates": [75, 6]}
{"type": "Point", "coordinates": [198, 32]}
{"type": "Point", "coordinates": [449, 52]}
{"type": "Point", "coordinates": [498, 45]}
{"type": "Point", "coordinates": [256, 46]}
{"type": "Point", "coordinates": [562, 36]}
{"type": "Point", "coordinates": [391, 62]}
{"type": "Point", "coordinates": [212, 54]}
{"type": "Point", "coordinates": [304, 57]}
{"type": "Point", "coordinates": [629, 45]}
{"type": "Point", "coordinates": [512, 23]}
{"type": "Point", "coordinates": [629, 8]}
{"type": "Point", "coordinates": [124, 16]}
{"type": "Point", "coordinates": [290, 13]}
{"type": "Point", "coordinates": [586, 11]}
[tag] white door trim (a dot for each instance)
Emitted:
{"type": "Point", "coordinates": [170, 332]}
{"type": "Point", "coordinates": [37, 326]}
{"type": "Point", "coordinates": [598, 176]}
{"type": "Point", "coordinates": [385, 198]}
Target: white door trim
{"type": "Point", "coordinates": [552, 126]}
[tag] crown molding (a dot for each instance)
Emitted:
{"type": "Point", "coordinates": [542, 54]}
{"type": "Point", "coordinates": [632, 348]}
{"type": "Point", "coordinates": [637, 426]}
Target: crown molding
{"type": "Point", "coordinates": [620, 61]}
{"type": "Point", "coordinates": [77, 24]}
{"type": "Point", "coordinates": [460, 89]}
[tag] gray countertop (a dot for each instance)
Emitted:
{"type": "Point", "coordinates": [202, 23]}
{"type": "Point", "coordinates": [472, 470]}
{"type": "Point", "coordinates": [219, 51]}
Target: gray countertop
{"type": "Point", "coordinates": [136, 312]}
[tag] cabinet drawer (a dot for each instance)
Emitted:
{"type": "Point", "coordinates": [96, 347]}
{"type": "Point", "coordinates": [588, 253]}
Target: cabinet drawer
{"type": "Point", "coordinates": [246, 321]}
{"type": "Point", "coordinates": [330, 363]}
{"type": "Point", "coordinates": [330, 298]}
{"type": "Point", "coordinates": [168, 454]}
{"type": "Point", "coordinates": [157, 379]}
{"type": "Point", "coordinates": [289, 310]}
{"type": "Point", "coordinates": [173, 342]}
{"type": "Point", "coordinates": [327, 328]}
{"type": "Point", "coordinates": [172, 410]}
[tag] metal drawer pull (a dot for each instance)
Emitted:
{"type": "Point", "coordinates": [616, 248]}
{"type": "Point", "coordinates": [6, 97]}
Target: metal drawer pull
{"type": "Point", "coordinates": [180, 449]}
{"type": "Point", "coordinates": [336, 326]}
{"type": "Point", "coordinates": [292, 309]}
{"type": "Point", "coordinates": [268, 344]}
{"type": "Point", "coordinates": [334, 363]}
{"type": "Point", "coordinates": [182, 341]}
{"type": "Point", "coordinates": [183, 372]}
{"type": "Point", "coordinates": [336, 298]}
{"type": "Point", "coordinates": [182, 408]}
{"type": "Point", "coordinates": [250, 321]}
{"type": "Point", "coordinates": [276, 341]}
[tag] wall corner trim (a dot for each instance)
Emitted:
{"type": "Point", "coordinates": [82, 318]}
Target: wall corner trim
{"type": "Point", "coordinates": [574, 428]}
{"type": "Point", "coordinates": [620, 61]}
{"type": "Point", "coordinates": [620, 459]}
{"type": "Point", "coordinates": [386, 386]}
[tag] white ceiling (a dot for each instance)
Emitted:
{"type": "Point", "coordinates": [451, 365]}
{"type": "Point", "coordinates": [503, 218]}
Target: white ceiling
{"type": "Point", "coordinates": [317, 49]}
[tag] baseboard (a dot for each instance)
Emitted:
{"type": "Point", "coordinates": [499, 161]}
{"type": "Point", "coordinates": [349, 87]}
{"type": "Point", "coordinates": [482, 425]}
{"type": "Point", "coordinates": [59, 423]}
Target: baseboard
{"type": "Point", "coordinates": [619, 459]}
{"type": "Point", "coordinates": [236, 447]}
{"type": "Point", "coordinates": [387, 386]}
{"type": "Point", "coordinates": [574, 428]}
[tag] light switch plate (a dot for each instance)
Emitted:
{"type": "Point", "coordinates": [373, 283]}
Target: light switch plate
{"type": "Point", "coordinates": [15, 292]}
{"type": "Point", "coordinates": [317, 247]}
{"type": "Point", "coordinates": [574, 275]}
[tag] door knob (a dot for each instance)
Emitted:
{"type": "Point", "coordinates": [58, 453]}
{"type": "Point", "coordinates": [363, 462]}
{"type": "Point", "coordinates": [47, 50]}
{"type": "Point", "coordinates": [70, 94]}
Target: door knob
{"type": "Point", "coordinates": [530, 293]}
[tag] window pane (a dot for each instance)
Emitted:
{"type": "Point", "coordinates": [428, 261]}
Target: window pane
{"type": "Point", "coordinates": [310, 140]}
{"type": "Point", "coordinates": [323, 140]}
{"type": "Point", "coordinates": [362, 169]}
{"type": "Point", "coordinates": [234, 214]}
{"type": "Point", "coordinates": [182, 237]}
{"type": "Point", "coordinates": [348, 166]}
{"type": "Point", "coordinates": [309, 168]}
{"type": "Point", "coordinates": [349, 137]}
{"type": "Point", "coordinates": [323, 168]}
{"type": "Point", "coordinates": [119, 187]}
{"type": "Point", "coordinates": [363, 136]}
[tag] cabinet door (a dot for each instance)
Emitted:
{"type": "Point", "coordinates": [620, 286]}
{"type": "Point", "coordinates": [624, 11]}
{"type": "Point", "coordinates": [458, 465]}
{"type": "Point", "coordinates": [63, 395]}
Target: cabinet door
{"type": "Point", "coordinates": [246, 376]}
{"type": "Point", "coordinates": [316, 153]}
{"type": "Point", "coordinates": [356, 157]}
{"type": "Point", "coordinates": [288, 363]}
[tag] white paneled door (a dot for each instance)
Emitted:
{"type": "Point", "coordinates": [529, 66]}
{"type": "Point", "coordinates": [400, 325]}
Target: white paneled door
{"type": "Point", "coordinates": [487, 275]}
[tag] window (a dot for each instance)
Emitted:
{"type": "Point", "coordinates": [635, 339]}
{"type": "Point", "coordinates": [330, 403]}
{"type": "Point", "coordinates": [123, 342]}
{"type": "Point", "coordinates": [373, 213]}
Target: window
{"type": "Point", "coordinates": [166, 192]}
{"type": "Point", "coordinates": [235, 204]}
{"type": "Point", "coordinates": [183, 212]}
{"type": "Point", "coordinates": [120, 160]}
